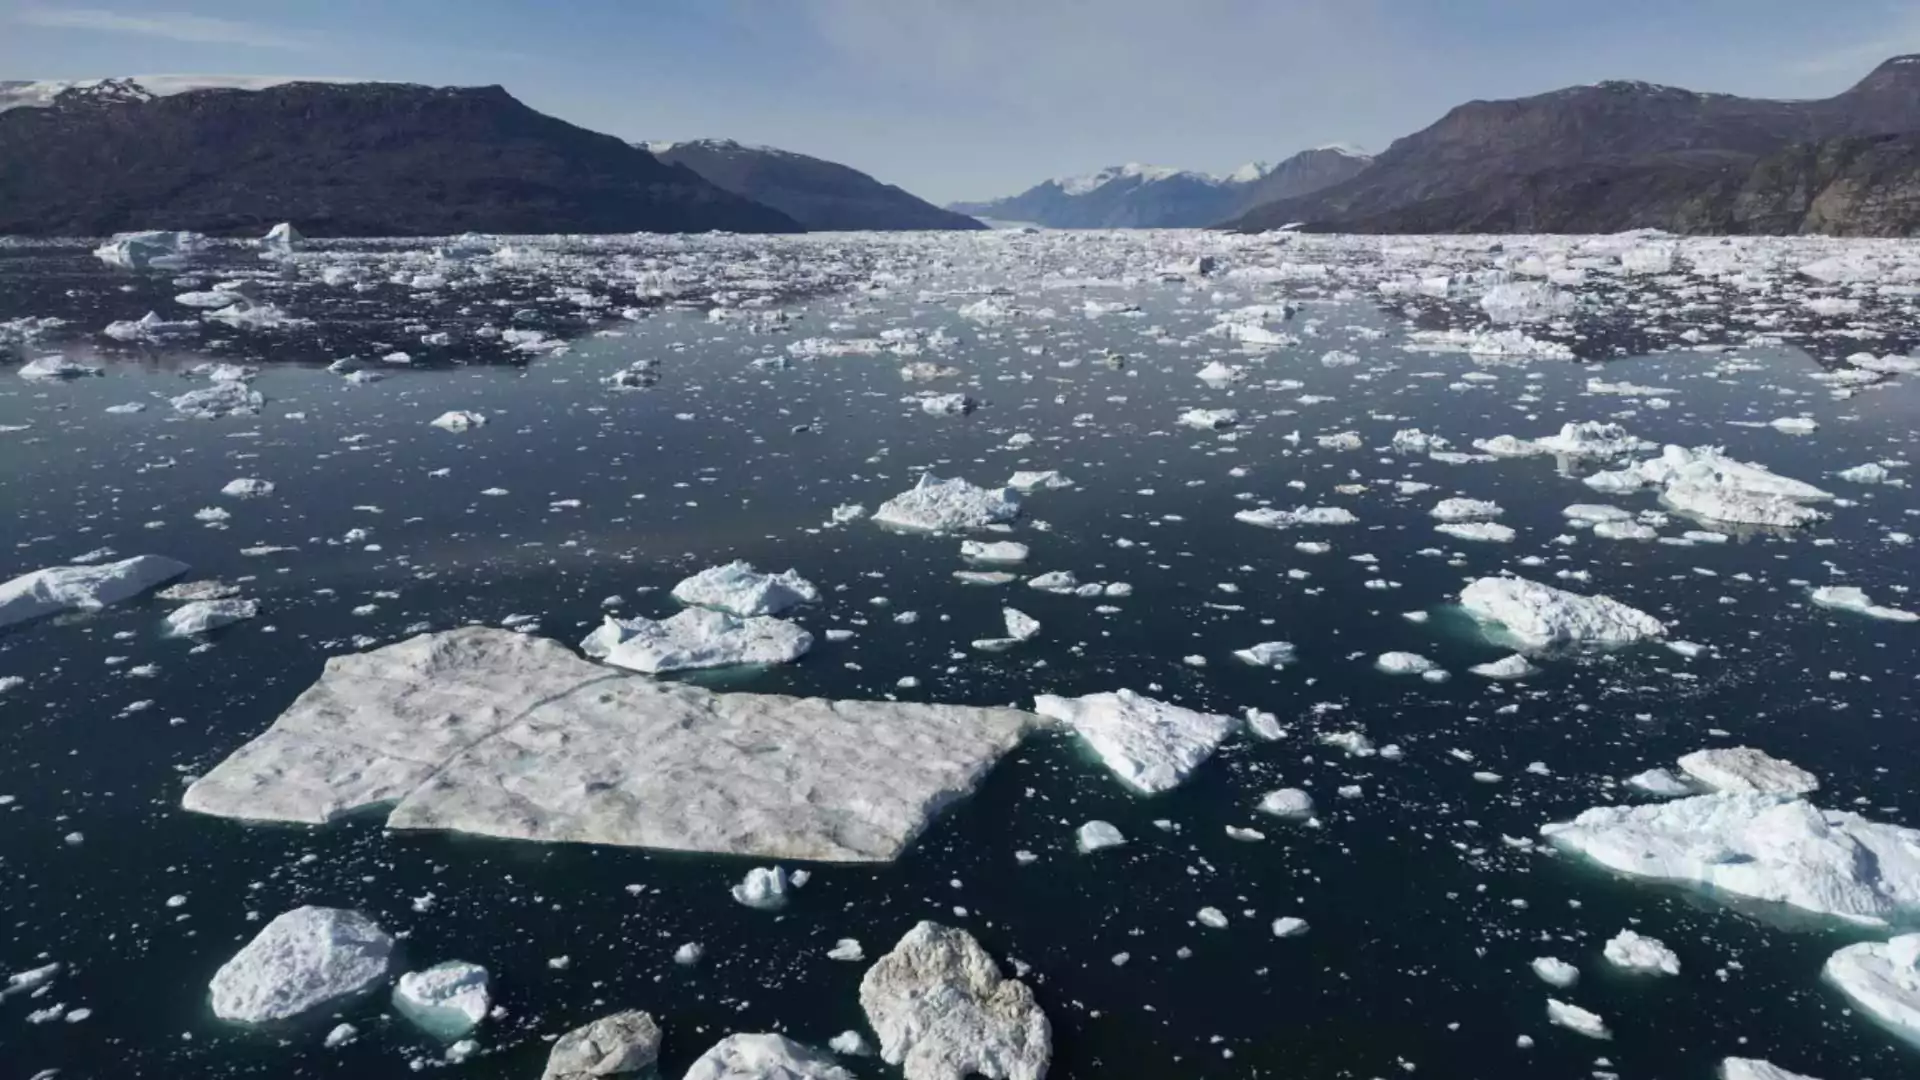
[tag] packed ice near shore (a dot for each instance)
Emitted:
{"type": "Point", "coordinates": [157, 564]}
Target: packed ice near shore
{"type": "Point", "coordinates": [1012, 654]}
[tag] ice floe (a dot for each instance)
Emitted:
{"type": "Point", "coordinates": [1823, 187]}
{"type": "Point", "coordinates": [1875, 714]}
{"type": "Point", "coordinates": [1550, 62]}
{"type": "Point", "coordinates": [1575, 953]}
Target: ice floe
{"type": "Point", "coordinates": [1631, 951]}
{"type": "Point", "coordinates": [696, 638]}
{"type": "Point", "coordinates": [1149, 745]}
{"type": "Point", "coordinates": [82, 588]}
{"type": "Point", "coordinates": [301, 960]}
{"type": "Point", "coordinates": [616, 1045]}
{"type": "Point", "coordinates": [1745, 771]}
{"type": "Point", "coordinates": [1882, 979]}
{"type": "Point", "coordinates": [764, 1057]}
{"type": "Point", "coordinates": [738, 589]}
{"type": "Point", "coordinates": [1854, 599]}
{"type": "Point", "coordinates": [446, 1000]}
{"type": "Point", "coordinates": [1541, 615]}
{"type": "Point", "coordinates": [936, 505]}
{"type": "Point", "coordinates": [943, 1011]}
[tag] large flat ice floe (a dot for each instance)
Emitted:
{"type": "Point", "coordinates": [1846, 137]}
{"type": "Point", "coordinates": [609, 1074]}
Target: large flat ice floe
{"type": "Point", "coordinates": [944, 1012]}
{"type": "Point", "coordinates": [1774, 848]}
{"type": "Point", "coordinates": [82, 588]}
{"type": "Point", "coordinates": [1883, 980]}
{"type": "Point", "coordinates": [1150, 745]}
{"type": "Point", "coordinates": [1542, 615]}
{"type": "Point", "coordinates": [299, 961]}
{"type": "Point", "coordinates": [936, 505]}
{"type": "Point", "coordinates": [501, 734]}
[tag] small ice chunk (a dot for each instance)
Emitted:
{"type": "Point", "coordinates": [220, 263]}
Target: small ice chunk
{"type": "Point", "coordinates": [1555, 972]}
{"type": "Point", "coordinates": [738, 589]}
{"type": "Point", "coordinates": [1038, 481]}
{"type": "Point", "coordinates": [696, 638]}
{"type": "Point", "coordinates": [1632, 951]}
{"type": "Point", "coordinates": [764, 1057]}
{"type": "Point", "coordinates": [1661, 783]}
{"type": "Point", "coordinates": [1268, 654]}
{"type": "Point", "coordinates": [1289, 926]}
{"type": "Point", "coordinates": [1576, 1019]}
{"type": "Point", "coordinates": [993, 551]}
{"type": "Point", "coordinates": [1403, 663]}
{"type": "Point", "coordinates": [1746, 771]}
{"type": "Point", "coordinates": [936, 505]}
{"type": "Point", "coordinates": [459, 420]}
{"type": "Point", "coordinates": [1465, 510]}
{"type": "Point", "coordinates": [446, 1000]}
{"type": "Point", "coordinates": [1754, 1069]}
{"type": "Point", "coordinates": [1212, 917]}
{"type": "Point", "coordinates": [943, 1011]}
{"type": "Point", "coordinates": [204, 616]}
{"type": "Point", "coordinates": [1287, 803]}
{"type": "Point", "coordinates": [1509, 667]}
{"type": "Point", "coordinates": [764, 889]}
{"type": "Point", "coordinates": [1095, 835]}
{"type": "Point", "coordinates": [1882, 979]}
{"type": "Point", "coordinates": [1850, 598]}
{"type": "Point", "coordinates": [301, 960]}
{"type": "Point", "coordinates": [1149, 745]}
{"type": "Point", "coordinates": [1542, 615]}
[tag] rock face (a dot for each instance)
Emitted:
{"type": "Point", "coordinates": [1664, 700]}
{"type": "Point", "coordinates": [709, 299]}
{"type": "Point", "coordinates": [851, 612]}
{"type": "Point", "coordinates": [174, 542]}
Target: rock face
{"type": "Point", "coordinates": [943, 1011]}
{"type": "Point", "coordinates": [82, 588]}
{"type": "Point", "coordinates": [625, 1042]}
{"type": "Point", "coordinates": [301, 960]}
{"type": "Point", "coordinates": [501, 734]}
{"type": "Point", "coordinates": [818, 194]}
{"type": "Point", "coordinates": [1627, 155]}
{"type": "Point", "coordinates": [361, 159]}
{"type": "Point", "coordinates": [1152, 197]}
{"type": "Point", "coordinates": [764, 1057]}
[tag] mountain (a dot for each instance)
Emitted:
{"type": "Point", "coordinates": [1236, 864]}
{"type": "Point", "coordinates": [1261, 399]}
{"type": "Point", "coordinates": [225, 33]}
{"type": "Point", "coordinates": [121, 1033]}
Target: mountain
{"type": "Point", "coordinates": [336, 159]}
{"type": "Point", "coordinates": [1156, 197]}
{"type": "Point", "coordinates": [818, 194]}
{"type": "Point", "coordinates": [1601, 158]}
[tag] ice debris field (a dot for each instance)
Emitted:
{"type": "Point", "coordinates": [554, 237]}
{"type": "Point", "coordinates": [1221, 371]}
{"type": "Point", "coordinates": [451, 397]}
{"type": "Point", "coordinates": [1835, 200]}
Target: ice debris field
{"type": "Point", "coordinates": [1013, 654]}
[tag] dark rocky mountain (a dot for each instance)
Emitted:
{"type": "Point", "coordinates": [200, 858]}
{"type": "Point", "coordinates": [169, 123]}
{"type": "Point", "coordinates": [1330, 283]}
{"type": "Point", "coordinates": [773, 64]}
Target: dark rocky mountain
{"type": "Point", "coordinates": [818, 194]}
{"type": "Point", "coordinates": [1614, 156]}
{"type": "Point", "coordinates": [337, 159]}
{"type": "Point", "coordinates": [1154, 197]}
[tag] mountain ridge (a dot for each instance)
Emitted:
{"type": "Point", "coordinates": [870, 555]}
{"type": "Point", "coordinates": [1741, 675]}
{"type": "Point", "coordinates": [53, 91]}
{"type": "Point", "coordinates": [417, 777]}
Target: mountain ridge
{"type": "Point", "coordinates": [818, 193]}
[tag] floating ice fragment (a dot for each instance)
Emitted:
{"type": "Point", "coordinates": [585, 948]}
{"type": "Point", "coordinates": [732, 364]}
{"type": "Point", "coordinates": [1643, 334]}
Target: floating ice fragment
{"type": "Point", "coordinates": [1635, 952]}
{"type": "Point", "coordinates": [301, 960]}
{"type": "Point", "coordinates": [1148, 744]}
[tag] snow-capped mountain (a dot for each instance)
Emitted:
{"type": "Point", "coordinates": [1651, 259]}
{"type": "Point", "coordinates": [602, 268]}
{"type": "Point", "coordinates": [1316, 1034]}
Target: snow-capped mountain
{"type": "Point", "coordinates": [818, 194]}
{"type": "Point", "coordinates": [1156, 196]}
{"type": "Point", "coordinates": [40, 93]}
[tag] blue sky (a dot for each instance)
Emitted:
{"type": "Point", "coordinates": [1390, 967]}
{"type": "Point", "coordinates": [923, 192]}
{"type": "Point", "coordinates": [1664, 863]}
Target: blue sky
{"type": "Point", "coordinates": [972, 98]}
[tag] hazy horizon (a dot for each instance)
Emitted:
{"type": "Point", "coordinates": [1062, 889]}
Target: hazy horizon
{"type": "Point", "coordinates": [970, 102]}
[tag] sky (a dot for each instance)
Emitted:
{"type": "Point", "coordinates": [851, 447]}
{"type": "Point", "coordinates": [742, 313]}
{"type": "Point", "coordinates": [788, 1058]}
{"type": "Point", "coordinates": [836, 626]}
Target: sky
{"type": "Point", "coordinates": [970, 99]}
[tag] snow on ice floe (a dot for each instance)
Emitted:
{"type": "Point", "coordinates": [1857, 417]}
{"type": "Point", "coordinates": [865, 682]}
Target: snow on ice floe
{"type": "Point", "coordinates": [1149, 745]}
{"type": "Point", "coordinates": [1541, 615]}
{"type": "Point", "coordinates": [1851, 598]}
{"type": "Point", "coordinates": [501, 734]}
{"type": "Point", "coordinates": [943, 1011]}
{"type": "Point", "coordinates": [1882, 979]}
{"type": "Point", "coordinates": [300, 961]}
{"type": "Point", "coordinates": [1774, 848]}
{"type": "Point", "coordinates": [952, 505]}
{"type": "Point", "coordinates": [738, 589]}
{"type": "Point", "coordinates": [618, 1044]}
{"type": "Point", "coordinates": [696, 638]}
{"type": "Point", "coordinates": [446, 1000]}
{"type": "Point", "coordinates": [1746, 771]}
{"type": "Point", "coordinates": [1631, 951]}
{"type": "Point", "coordinates": [762, 1057]}
{"type": "Point", "coordinates": [82, 588]}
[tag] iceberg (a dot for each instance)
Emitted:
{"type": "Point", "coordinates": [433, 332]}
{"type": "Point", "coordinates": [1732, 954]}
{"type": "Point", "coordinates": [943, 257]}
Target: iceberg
{"type": "Point", "coordinates": [936, 505]}
{"type": "Point", "coordinates": [1097, 835]}
{"type": "Point", "coordinates": [1850, 598]}
{"type": "Point", "coordinates": [1509, 667]}
{"type": "Point", "coordinates": [1045, 479]}
{"type": "Point", "coordinates": [301, 960]}
{"type": "Point", "coordinates": [1632, 951]}
{"type": "Point", "coordinates": [620, 1044]}
{"type": "Point", "coordinates": [1755, 1069]}
{"type": "Point", "coordinates": [1592, 438]}
{"type": "Point", "coordinates": [220, 399]}
{"type": "Point", "coordinates": [1576, 1019]}
{"type": "Point", "coordinates": [764, 889]}
{"type": "Point", "coordinates": [1774, 848]}
{"type": "Point", "coordinates": [1210, 419]}
{"type": "Point", "coordinates": [1541, 615]}
{"type": "Point", "coordinates": [82, 588]}
{"type": "Point", "coordinates": [149, 327]}
{"type": "Point", "coordinates": [696, 638]}
{"type": "Point", "coordinates": [1150, 745]}
{"type": "Point", "coordinates": [1269, 518]}
{"type": "Point", "coordinates": [943, 1011]}
{"type": "Point", "coordinates": [1743, 770]}
{"type": "Point", "coordinates": [446, 1000]}
{"type": "Point", "coordinates": [155, 248]}
{"type": "Point", "coordinates": [458, 420]}
{"type": "Point", "coordinates": [1491, 532]}
{"type": "Point", "coordinates": [204, 616]}
{"type": "Point", "coordinates": [490, 732]}
{"type": "Point", "coordinates": [738, 589]}
{"type": "Point", "coordinates": [1882, 979]}
{"type": "Point", "coordinates": [1268, 654]}
{"type": "Point", "coordinates": [764, 1057]}
{"type": "Point", "coordinates": [51, 368]}
{"type": "Point", "coordinates": [993, 551]}
{"type": "Point", "coordinates": [1465, 510]}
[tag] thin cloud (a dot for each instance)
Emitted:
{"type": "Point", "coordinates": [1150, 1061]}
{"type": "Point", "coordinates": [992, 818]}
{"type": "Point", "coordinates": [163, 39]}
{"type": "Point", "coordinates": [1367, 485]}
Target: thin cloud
{"type": "Point", "coordinates": [169, 25]}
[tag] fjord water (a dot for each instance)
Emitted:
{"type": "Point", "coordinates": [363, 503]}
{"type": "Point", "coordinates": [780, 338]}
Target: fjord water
{"type": "Point", "coordinates": [1424, 915]}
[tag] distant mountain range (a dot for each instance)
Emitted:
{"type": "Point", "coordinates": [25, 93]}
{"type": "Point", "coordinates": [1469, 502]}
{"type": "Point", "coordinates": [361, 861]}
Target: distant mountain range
{"type": "Point", "coordinates": [1625, 155]}
{"type": "Point", "coordinates": [1156, 197]}
{"type": "Point", "coordinates": [336, 159]}
{"type": "Point", "coordinates": [820, 195]}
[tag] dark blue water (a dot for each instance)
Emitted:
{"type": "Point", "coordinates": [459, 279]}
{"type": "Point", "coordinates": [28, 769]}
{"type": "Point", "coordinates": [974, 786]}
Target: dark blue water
{"type": "Point", "coordinates": [1423, 918]}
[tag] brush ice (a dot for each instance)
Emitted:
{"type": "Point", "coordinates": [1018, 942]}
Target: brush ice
{"type": "Point", "coordinates": [943, 1011]}
{"type": "Point", "coordinates": [738, 589]}
{"type": "Point", "coordinates": [1746, 771]}
{"type": "Point", "coordinates": [936, 505]}
{"type": "Point", "coordinates": [82, 588]}
{"type": "Point", "coordinates": [301, 960]}
{"type": "Point", "coordinates": [490, 732]}
{"type": "Point", "coordinates": [1850, 598]}
{"type": "Point", "coordinates": [1775, 848]}
{"type": "Point", "coordinates": [1150, 745]}
{"type": "Point", "coordinates": [1631, 951]}
{"type": "Point", "coordinates": [1882, 979]}
{"type": "Point", "coordinates": [696, 638]}
{"type": "Point", "coordinates": [1542, 615]}
{"type": "Point", "coordinates": [446, 1000]}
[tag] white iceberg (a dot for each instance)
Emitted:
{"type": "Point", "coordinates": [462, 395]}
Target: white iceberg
{"type": "Point", "coordinates": [1541, 615]}
{"type": "Point", "coordinates": [764, 889]}
{"type": "Point", "coordinates": [50, 368]}
{"type": "Point", "coordinates": [247, 488]}
{"type": "Point", "coordinates": [1882, 979]}
{"type": "Point", "coordinates": [1149, 745]}
{"type": "Point", "coordinates": [1210, 419]}
{"type": "Point", "coordinates": [1755, 1069]}
{"type": "Point", "coordinates": [1465, 510]}
{"type": "Point", "coordinates": [220, 399]}
{"type": "Point", "coordinates": [141, 250]}
{"type": "Point", "coordinates": [495, 733]}
{"type": "Point", "coordinates": [1851, 598]}
{"type": "Point", "coordinates": [1403, 663]}
{"type": "Point", "coordinates": [149, 327]}
{"type": "Point", "coordinates": [1268, 654]}
{"type": "Point", "coordinates": [1592, 438]}
{"type": "Point", "coordinates": [1269, 518]}
{"type": "Point", "coordinates": [623, 1043]}
{"type": "Point", "coordinates": [696, 638]}
{"type": "Point", "coordinates": [943, 1011]}
{"type": "Point", "coordinates": [1491, 532]}
{"type": "Point", "coordinates": [1508, 667]}
{"type": "Point", "coordinates": [446, 1000]}
{"type": "Point", "coordinates": [82, 588]}
{"type": "Point", "coordinates": [1743, 770]}
{"type": "Point", "coordinates": [1042, 480]}
{"type": "Point", "coordinates": [204, 616]}
{"type": "Point", "coordinates": [763, 1057]}
{"type": "Point", "coordinates": [1555, 972]}
{"type": "Point", "coordinates": [1631, 951]}
{"type": "Point", "coordinates": [458, 420]}
{"type": "Point", "coordinates": [738, 589]}
{"type": "Point", "coordinates": [1096, 835]}
{"type": "Point", "coordinates": [993, 551]}
{"type": "Point", "coordinates": [936, 505]}
{"type": "Point", "coordinates": [1576, 1019]}
{"type": "Point", "coordinates": [1774, 848]}
{"type": "Point", "coordinates": [301, 960]}
{"type": "Point", "coordinates": [1287, 803]}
